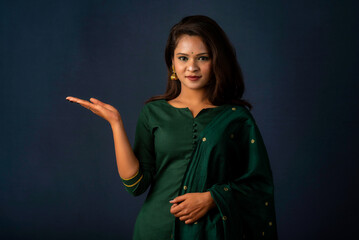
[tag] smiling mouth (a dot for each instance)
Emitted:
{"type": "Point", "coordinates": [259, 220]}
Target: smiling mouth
{"type": "Point", "coordinates": [193, 78]}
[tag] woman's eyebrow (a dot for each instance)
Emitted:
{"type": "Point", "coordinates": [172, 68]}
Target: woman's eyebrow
{"type": "Point", "coordinates": [188, 54]}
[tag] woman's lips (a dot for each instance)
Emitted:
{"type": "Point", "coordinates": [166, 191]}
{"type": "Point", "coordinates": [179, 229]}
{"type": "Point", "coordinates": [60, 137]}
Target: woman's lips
{"type": "Point", "coordinates": [193, 78]}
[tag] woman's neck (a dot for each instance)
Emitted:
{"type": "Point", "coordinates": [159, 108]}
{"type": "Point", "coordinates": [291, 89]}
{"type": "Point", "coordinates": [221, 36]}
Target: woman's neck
{"type": "Point", "coordinates": [193, 97]}
{"type": "Point", "coordinates": [194, 100]}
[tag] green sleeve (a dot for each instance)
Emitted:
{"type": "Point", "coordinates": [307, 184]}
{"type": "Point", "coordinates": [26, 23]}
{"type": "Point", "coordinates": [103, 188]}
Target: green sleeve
{"type": "Point", "coordinates": [246, 201]}
{"type": "Point", "coordinates": [144, 151]}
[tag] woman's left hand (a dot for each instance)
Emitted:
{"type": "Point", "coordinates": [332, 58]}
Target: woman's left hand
{"type": "Point", "coordinates": [192, 206]}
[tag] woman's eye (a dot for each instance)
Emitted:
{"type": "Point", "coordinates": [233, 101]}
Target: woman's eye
{"type": "Point", "coordinates": [182, 58]}
{"type": "Point", "coordinates": [203, 58]}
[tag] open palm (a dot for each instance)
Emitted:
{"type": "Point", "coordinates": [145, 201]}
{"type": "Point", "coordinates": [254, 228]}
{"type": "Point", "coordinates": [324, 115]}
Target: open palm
{"type": "Point", "coordinates": [104, 110]}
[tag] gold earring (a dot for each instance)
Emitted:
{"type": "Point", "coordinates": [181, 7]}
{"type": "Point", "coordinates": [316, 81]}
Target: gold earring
{"type": "Point", "coordinates": [173, 76]}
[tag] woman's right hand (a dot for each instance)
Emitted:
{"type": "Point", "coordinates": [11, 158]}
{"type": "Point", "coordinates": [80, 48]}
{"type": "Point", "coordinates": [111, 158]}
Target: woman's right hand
{"type": "Point", "coordinates": [106, 111]}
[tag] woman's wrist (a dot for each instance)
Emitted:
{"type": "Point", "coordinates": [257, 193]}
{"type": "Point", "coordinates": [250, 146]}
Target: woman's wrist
{"type": "Point", "coordinates": [116, 124]}
{"type": "Point", "coordinates": [210, 201]}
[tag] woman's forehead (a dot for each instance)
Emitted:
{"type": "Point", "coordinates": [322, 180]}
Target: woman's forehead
{"type": "Point", "coordinates": [188, 44]}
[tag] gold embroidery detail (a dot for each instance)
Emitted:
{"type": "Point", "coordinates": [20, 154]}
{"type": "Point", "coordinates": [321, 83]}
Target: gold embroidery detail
{"type": "Point", "coordinates": [134, 183]}
{"type": "Point", "coordinates": [131, 177]}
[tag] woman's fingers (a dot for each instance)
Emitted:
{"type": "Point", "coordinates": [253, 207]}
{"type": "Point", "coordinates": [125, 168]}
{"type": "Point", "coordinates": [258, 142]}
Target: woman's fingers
{"type": "Point", "coordinates": [82, 102]}
{"type": "Point", "coordinates": [193, 206]}
{"type": "Point", "coordinates": [180, 198]}
{"type": "Point", "coordinates": [190, 221]}
{"type": "Point", "coordinates": [77, 100]}
{"type": "Point", "coordinates": [102, 104]}
{"type": "Point", "coordinates": [176, 209]}
{"type": "Point", "coordinates": [99, 108]}
{"type": "Point", "coordinates": [185, 218]}
{"type": "Point", "coordinates": [86, 104]}
{"type": "Point", "coordinates": [96, 101]}
{"type": "Point", "coordinates": [189, 218]}
{"type": "Point", "coordinates": [72, 99]}
{"type": "Point", "coordinates": [93, 102]}
{"type": "Point", "coordinates": [182, 213]}
{"type": "Point", "coordinates": [181, 210]}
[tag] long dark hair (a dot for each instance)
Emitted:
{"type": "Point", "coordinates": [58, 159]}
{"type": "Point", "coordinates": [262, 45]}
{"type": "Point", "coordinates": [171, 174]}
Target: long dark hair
{"type": "Point", "coordinates": [226, 85]}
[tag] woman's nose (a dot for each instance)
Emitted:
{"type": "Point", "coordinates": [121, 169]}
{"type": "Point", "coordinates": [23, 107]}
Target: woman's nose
{"type": "Point", "coordinates": [192, 66]}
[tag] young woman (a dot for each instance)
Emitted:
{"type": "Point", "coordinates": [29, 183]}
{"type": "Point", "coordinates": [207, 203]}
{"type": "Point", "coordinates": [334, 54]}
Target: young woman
{"type": "Point", "coordinates": [197, 146]}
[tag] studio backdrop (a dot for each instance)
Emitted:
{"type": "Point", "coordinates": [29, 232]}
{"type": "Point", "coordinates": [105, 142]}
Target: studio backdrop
{"type": "Point", "coordinates": [58, 174]}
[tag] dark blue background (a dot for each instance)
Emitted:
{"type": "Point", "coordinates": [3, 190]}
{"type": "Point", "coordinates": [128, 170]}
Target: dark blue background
{"type": "Point", "coordinates": [58, 175]}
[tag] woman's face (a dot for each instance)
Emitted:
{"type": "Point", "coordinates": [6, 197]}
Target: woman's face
{"type": "Point", "coordinates": [192, 62]}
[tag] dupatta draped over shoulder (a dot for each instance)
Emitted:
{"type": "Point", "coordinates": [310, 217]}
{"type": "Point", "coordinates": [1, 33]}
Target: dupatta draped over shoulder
{"type": "Point", "coordinates": [231, 162]}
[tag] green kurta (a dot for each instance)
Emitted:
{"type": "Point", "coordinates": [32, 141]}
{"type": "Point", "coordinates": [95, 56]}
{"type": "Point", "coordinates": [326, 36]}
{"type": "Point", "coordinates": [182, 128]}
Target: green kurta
{"type": "Point", "coordinates": [221, 151]}
{"type": "Point", "coordinates": [165, 139]}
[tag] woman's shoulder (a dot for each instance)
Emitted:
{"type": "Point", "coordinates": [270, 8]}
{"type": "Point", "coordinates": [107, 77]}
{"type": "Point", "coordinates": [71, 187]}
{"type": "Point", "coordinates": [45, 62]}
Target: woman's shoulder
{"type": "Point", "coordinates": [240, 112]}
{"type": "Point", "coordinates": [154, 104]}
{"type": "Point", "coordinates": [154, 108]}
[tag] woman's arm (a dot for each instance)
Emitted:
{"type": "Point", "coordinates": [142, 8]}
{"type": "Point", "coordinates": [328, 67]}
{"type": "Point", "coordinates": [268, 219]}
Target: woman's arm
{"type": "Point", "coordinates": [127, 162]}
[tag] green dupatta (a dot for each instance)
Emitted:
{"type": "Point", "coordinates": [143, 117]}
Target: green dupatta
{"type": "Point", "coordinates": [230, 160]}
